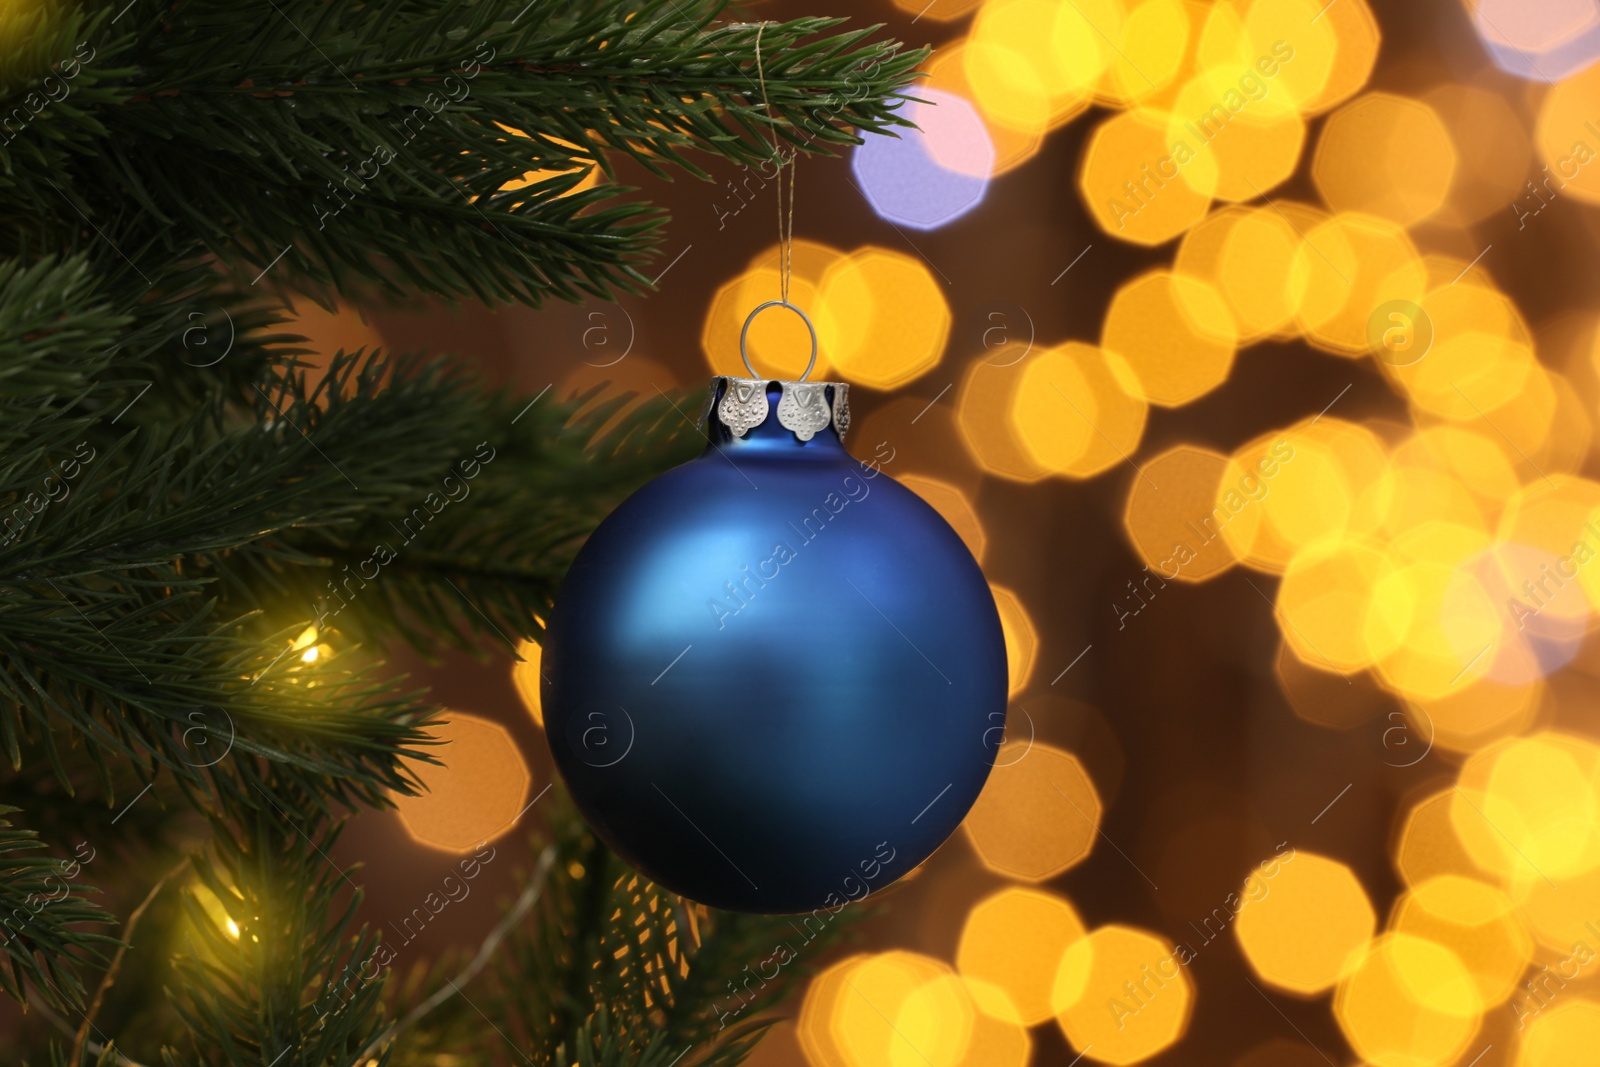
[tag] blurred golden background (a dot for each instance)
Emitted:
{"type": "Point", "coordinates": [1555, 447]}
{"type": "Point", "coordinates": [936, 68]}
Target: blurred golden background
{"type": "Point", "coordinates": [1251, 346]}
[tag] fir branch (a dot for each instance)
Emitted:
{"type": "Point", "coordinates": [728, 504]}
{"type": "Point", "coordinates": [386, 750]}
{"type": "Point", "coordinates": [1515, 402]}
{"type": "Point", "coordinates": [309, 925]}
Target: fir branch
{"type": "Point", "coordinates": [260, 995]}
{"type": "Point", "coordinates": [81, 1041]}
{"type": "Point", "coordinates": [525, 901]}
{"type": "Point", "coordinates": [41, 948]}
{"type": "Point", "coordinates": [56, 331]}
{"type": "Point", "coordinates": [168, 519]}
{"type": "Point", "coordinates": [478, 548]}
{"type": "Point", "coordinates": [376, 153]}
{"type": "Point", "coordinates": [612, 971]}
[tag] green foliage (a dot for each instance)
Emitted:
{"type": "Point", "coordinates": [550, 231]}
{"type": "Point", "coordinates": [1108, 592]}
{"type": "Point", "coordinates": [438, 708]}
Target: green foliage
{"type": "Point", "coordinates": [186, 486]}
{"type": "Point", "coordinates": [41, 901]}
{"type": "Point", "coordinates": [255, 992]}
{"type": "Point", "coordinates": [368, 142]}
{"type": "Point", "coordinates": [611, 970]}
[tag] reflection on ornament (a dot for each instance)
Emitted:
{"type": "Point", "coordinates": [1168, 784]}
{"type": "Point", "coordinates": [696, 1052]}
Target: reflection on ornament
{"type": "Point", "coordinates": [771, 676]}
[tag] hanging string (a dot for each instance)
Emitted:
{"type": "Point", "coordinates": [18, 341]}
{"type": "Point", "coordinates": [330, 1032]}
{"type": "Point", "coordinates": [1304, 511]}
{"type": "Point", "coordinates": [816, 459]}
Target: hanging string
{"type": "Point", "coordinates": [785, 219]}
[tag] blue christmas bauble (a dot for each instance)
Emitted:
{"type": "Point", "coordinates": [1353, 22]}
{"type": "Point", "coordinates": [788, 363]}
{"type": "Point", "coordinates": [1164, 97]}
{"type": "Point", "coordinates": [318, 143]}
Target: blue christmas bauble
{"type": "Point", "coordinates": [774, 679]}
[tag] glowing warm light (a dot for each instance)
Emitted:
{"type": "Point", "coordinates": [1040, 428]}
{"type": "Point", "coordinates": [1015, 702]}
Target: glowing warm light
{"type": "Point", "coordinates": [1471, 716]}
{"type": "Point", "coordinates": [214, 908]}
{"type": "Point", "coordinates": [886, 1010]}
{"type": "Point", "coordinates": [1244, 145]}
{"type": "Point", "coordinates": [309, 649]}
{"type": "Point", "coordinates": [1556, 524]}
{"type": "Point", "coordinates": [1287, 489]}
{"type": "Point", "coordinates": [984, 416]}
{"type": "Point", "coordinates": [1357, 32]}
{"type": "Point", "coordinates": [1495, 151]}
{"type": "Point", "coordinates": [1253, 268]}
{"type": "Point", "coordinates": [1038, 813]}
{"type": "Point", "coordinates": [1132, 182]}
{"type": "Point", "coordinates": [1150, 49]}
{"type": "Point", "coordinates": [1122, 995]}
{"type": "Point", "coordinates": [1547, 40]}
{"type": "Point", "coordinates": [1529, 807]}
{"type": "Point", "coordinates": [1176, 334]}
{"type": "Point", "coordinates": [1324, 599]}
{"type": "Point", "coordinates": [1474, 461]}
{"type": "Point", "coordinates": [938, 10]}
{"type": "Point", "coordinates": [1408, 1002]}
{"type": "Point", "coordinates": [1529, 421]}
{"type": "Point", "coordinates": [1427, 846]}
{"type": "Point", "coordinates": [1567, 147]}
{"type": "Point", "coordinates": [1007, 85]}
{"type": "Point", "coordinates": [1014, 940]}
{"type": "Point", "coordinates": [1310, 40]}
{"type": "Point", "coordinates": [1567, 431]}
{"type": "Point", "coordinates": [1222, 41]}
{"type": "Point", "coordinates": [1201, 248]}
{"type": "Point", "coordinates": [947, 72]}
{"type": "Point", "coordinates": [953, 506]}
{"type": "Point", "coordinates": [882, 316]}
{"type": "Point", "coordinates": [778, 343]}
{"type": "Point", "coordinates": [1412, 492]}
{"type": "Point", "coordinates": [997, 1041]}
{"type": "Point", "coordinates": [934, 1023]}
{"type": "Point", "coordinates": [1034, 61]}
{"type": "Point", "coordinates": [1385, 155]}
{"type": "Point", "coordinates": [927, 177]}
{"type": "Point", "coordinates": [1433, 614]}
{"type": "Point", "coordinates": [590, 172]}
{"type": "Point", "coordinates": [525, 675]}
{"type": "Point", "coordinates": [1022, 640]}
{"type": "Point", "coordinates": [1564, 915]}
{"type": "Point", "coordinates": [1245, 254]}
{"type": "Point", "coordinates": [1363, 460]}
{"type": "Point", "coordinates": [807, 259]}
{"type": "Point", "coordinates": [1479, 359]}
{"type": "Point", "coordinates": [1083, 42]}
{"type": "Point", "coordinates": [476, 791]}
{"type": "Point", "coordinates": [1474, 920]}
{"type": "Point", "coordinates": [1169, 515]}
{"type": "Point", "coordinates": [1302, 920]}
{"type": "Point", "coordinates": [1546, 542]}
{"type": "Point", "coordinates": [1079, 409]}
{"type": "Point", "coordinates": [1344, 271]}
{"type": "Point", "coordinates": [1566, 1034]}
{"type": "Point", "coordinates": [814, 1027]}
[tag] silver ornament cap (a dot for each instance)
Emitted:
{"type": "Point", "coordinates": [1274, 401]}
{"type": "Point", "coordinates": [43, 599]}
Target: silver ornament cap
{"type": "Point", "coordinates": [804, 408]}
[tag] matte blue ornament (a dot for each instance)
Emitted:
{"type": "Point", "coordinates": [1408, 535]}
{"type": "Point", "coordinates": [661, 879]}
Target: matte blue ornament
{"type": "Point", "coordinates": [774, 678]}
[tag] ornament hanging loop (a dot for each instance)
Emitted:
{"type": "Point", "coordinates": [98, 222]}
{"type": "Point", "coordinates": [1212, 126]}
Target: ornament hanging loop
{"type": "Point", "coordinates": [745, 333]}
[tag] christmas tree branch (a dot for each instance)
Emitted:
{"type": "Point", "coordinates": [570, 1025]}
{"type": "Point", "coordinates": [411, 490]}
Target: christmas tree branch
{"type": "Point", "coordinates": [274, 973]}
{"type": "Point", "coordinates": [180, 495]}
{"type": "Point", "coordinates": [479, 550]}
{"type": "Point", "coordinates": [41, 903]}
{"type": "Point", "coordinates": [81, 1040]}
{"type": "Point", "coordinates": [377, 154]}
{"type": "Point", "coordinates": [612, 971]}
{"type": "Point", "coordinates": [525, 902]}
